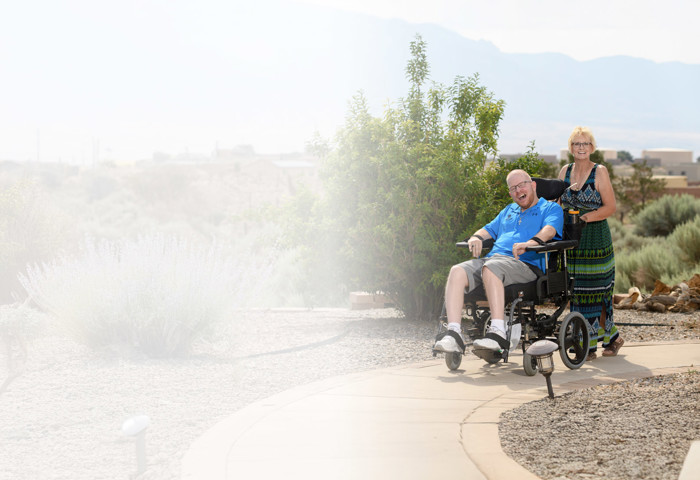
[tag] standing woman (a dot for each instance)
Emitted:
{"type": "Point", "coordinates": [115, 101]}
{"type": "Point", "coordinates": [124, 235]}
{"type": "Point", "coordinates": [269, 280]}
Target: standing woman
{"type": "Point", "coordinates": [593, 261]}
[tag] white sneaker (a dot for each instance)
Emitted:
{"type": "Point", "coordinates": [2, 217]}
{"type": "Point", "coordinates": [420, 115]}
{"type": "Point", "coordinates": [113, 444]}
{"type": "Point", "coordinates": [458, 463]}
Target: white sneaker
{"type": "Point", "coordinates": [448, 345]}
{"type": "Point", "coordinates": [491, 343]}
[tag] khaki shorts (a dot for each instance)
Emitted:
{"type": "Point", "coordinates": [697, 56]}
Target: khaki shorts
{"type": "Point", "coordinates": [508, 269]}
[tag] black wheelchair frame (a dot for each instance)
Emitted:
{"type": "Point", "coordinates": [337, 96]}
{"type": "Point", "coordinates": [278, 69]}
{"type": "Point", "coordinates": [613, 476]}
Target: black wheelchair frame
{"type": "Point", "coordinates": [553, 286]}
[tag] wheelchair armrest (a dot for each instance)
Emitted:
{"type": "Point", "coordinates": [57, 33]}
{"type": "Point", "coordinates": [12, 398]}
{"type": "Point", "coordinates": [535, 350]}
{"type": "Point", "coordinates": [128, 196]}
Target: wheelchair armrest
{"type": "Point", "coordinates": [486, 244]}
{"type": "Point", "coordinates": [556, 246]}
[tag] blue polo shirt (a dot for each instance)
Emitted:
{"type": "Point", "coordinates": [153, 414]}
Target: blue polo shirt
{"type": "Point", "coordinates": [513, 226]}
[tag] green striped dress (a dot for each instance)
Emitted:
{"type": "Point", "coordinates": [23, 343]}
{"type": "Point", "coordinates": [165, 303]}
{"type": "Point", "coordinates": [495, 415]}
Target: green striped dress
{"type": "Point", "coordinates": [592, 263]}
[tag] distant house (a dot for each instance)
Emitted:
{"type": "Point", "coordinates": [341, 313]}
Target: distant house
{"type": "Point", "coordinates": [672, 161]}
{"type": "Point", "coordinates": [651, 162]}
{"type": "Point", "coordinates": [689, 170]}
{"type": "Point", "coordinates": [673, 181]}
{"type": "Point", "coordinates": [669, 156]}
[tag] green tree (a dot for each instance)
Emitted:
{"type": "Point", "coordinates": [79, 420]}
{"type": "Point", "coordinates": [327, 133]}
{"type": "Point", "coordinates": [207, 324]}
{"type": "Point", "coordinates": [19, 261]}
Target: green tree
{"type": "Point", "coordinates": [625, 156]}
{"type": "Point", "coordinates": [401, 189]}
{"type": "Point", "coordinates": [635, 191]}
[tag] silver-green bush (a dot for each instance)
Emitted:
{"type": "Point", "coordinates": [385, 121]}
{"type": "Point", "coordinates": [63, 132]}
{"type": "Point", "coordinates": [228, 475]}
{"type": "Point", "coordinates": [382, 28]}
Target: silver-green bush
{"type": "Point", "coordinates": [650, 263]}
{"type": "Point", "coordinates": [662, 216]}
{"type": "Point", "coordinates": [624, 237]}
{"type": "Point", "coordinates": [154, 295]}
{"type": "Point", "coordinates": [687, 238]}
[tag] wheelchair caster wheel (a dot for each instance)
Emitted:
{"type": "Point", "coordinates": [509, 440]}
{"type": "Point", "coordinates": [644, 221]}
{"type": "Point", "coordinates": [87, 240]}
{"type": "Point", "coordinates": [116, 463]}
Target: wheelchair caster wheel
{"type": "Point", "coordinates": [529, 365]}
{"type": "Point", "coordinates": [453, 360]}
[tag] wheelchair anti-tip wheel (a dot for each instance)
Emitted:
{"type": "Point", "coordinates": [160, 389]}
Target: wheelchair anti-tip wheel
{"type": "Point", "coordinates": [574, 337]}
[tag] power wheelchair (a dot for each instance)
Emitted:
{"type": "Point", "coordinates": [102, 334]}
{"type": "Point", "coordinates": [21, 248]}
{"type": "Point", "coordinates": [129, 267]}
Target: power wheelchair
{"type": "Point", "coordinates": [523, 323]}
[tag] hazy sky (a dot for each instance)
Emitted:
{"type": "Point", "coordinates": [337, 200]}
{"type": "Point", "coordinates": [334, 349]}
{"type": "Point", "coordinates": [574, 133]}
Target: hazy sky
{"type": "Point", "coordinates": [118, 80]}
{"type": "Point", "coordinates": [659, 30]}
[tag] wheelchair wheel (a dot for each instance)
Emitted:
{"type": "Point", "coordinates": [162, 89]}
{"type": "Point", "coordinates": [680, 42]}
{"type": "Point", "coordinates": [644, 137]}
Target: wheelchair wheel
{"type": "Point", "coordinates": [529, 365]}
{"type": "Point", "coordinates": [453, 360]}
{"type": "Point", "coordinates": [485, 324]}
{"type": "Point", "coordinates": [573, 340]}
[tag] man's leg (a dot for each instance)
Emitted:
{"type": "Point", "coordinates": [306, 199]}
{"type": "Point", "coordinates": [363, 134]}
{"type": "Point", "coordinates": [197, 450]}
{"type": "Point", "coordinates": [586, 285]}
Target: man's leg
{"type": "Point", "coordinates": [494, 275]}
{"type": "Point", "coordinates": [495, 293]}
{"type": "Point", "coordinates": [495, 338]}
{"type": "Point", "coordinates": [457, 282]}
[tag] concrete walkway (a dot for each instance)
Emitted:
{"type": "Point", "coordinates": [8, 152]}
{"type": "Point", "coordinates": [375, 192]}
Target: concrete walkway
{"type": "Point", "coordinates": [418, 421]}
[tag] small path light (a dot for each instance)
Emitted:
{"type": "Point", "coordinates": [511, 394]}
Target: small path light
{"type": "Point", "coordinates": [543, 351]}
{"type": "Point", "coordinates": [136, 427]}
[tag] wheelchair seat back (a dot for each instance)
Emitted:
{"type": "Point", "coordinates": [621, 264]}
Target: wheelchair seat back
{"type": "Point", "coordinates": [549, 188]}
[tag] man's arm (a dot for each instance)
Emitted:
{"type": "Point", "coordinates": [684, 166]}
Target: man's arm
{"type": "Point", "coordinates": [476, 242]}
{"type": "Point", "coordinates": [544, 235]}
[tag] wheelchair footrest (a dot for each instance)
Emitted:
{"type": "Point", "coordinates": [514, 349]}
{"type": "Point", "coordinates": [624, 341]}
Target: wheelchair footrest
{"type": "Point", "coordinates": [491, 356]}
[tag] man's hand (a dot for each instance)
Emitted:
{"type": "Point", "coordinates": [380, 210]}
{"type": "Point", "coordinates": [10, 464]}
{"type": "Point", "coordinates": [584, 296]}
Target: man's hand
{"type": "Point", "coordinates": [519, 249]}
{"type": "Point", "coordinates": [475, 246]}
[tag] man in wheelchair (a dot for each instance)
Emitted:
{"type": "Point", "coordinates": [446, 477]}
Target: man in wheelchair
{"type": "Point", "coordinates": [529, 221]}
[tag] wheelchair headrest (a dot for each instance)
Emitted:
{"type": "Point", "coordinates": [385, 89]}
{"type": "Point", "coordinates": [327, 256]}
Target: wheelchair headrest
{"type": "Point", "coordinates": [549, 188]}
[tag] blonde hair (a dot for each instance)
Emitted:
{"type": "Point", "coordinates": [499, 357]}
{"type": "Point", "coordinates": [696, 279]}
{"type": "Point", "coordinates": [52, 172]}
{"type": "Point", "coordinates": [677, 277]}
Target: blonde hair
{"type": "Point", "coordinates": [586, 132]}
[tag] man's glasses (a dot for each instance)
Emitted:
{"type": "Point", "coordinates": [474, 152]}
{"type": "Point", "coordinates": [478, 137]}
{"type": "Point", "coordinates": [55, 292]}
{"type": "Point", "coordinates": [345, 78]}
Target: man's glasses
{"type": "Point", "coordinates": [518, 186]}
{"type": "Point", "coordinates": [581, 144]}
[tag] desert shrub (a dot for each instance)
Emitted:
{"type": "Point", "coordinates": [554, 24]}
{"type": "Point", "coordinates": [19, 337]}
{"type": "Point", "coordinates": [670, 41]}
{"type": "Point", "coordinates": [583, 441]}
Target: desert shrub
{"type": "Point", "coordinates": [662, 216]}
{"type": "Point", "coordinates": [641, 268]}
{"type": "Point", "coordinates": [622, 281]}
{"type": "Point", "coordinates": [31, 230]}
{"type": "Point", "coordinates": [672, 279]}
{"type": "Point", "coordinates": [153, 295]}
{"type": "Point", "coordinates": [687, 238]}
{"type": "Point", "coordinates": [624, 237]}
{"type": "Point", "coordinates": [642, 260]}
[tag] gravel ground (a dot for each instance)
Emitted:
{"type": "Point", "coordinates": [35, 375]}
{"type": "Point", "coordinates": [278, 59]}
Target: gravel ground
{"type": "Point", "coordinates": [61, 417]}
{"type": "Point", "coordinates": [638, 429]}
